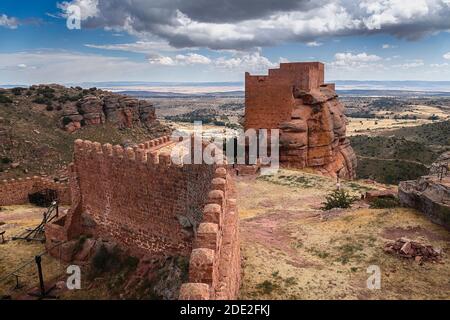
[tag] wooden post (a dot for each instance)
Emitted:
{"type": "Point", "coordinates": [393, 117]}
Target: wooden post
{"type": "Point", "coordinates": [38, 260]}
{"type": "Point", "coordinates": [18, 286]}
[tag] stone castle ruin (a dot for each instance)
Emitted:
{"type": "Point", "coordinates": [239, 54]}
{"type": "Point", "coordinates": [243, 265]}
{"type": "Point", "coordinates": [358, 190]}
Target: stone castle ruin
{"type": "Point", "coordinates": [295, 100]}
{"type": "Point", "coordinates": [18, 191]}
{"type": "Point", "coordinates": [149, 205]}
{"type": "Point", "coordinates": [140, 200]}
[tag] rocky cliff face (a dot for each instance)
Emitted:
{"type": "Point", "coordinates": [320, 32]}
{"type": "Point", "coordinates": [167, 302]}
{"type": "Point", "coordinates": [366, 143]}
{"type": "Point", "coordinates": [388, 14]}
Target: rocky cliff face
{"type": "Point", "coordinates": [75, 107]}
{"type": "Point", "coordinates": [429, 195]}
{"type": "Point", "coordinates": [95, 109]}
{"type": "Point", "coordinates": [315, 136]}
{"type": "Point", "coordinates": [295, 100]}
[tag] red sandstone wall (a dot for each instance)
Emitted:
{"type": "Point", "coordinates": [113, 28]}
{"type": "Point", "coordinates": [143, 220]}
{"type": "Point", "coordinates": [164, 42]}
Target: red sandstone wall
{"type": "Point", "coordinates": [269, 99]}
{"type": "Point", "coordinates": [14, 192]}
{"type": "Point", "coordinates": [215, 263]}
{"type": "Point", "coordinates": [136, 198]}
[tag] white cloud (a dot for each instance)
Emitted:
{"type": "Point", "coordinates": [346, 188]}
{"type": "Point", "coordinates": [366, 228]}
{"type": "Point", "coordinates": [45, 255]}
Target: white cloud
{"type": "Point", "coordinates": [236, 24]}
{"type": "Point", "coordinates": [439, 65]}
{"type": "Point", "coordinates": [180, 59]}
{"type": "Point", "coordinates": [314, 44]}
{"type": "Point", "coordinates": [388, 46]}
{"type": "Point", "coordinates": [88, 8]}
{"type": "Point", "coordinates": [56, 66]}
{"type": "Point", "coordinates": [391, 12]}
{"type": "Point", "coordinates": [193, 58]}
{"type": "Point", "coordinates": [350, 60]}
{"type": "Point", "coordinates": [410, 64]}
{"type": "Point", "coordinates": [446, 56]}
{"type": "Point", "coordinates": [237, 62]}
{"type": "Point", "coordinates": [8, 22]}
{"type": "Point", "coordinates": [62, 66]}
{"type": "Point", "coordinates": [161, 60]}
{"type": "Point", "coordinates": [251, 62]}
{"type": "Point", "coordinates": [138, 46]}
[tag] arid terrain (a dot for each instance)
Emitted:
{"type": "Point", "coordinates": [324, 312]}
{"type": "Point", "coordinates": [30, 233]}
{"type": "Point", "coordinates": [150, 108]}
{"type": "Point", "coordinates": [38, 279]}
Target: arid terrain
{"type": "Point", "coordinates": [294, 250]}
{"type": "Point", "coordinates": [291, 249]}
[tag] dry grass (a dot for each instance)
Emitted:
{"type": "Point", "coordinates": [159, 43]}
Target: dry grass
{"type": "Point", "coordinates": [370, 126]}
{"type": "Point", "coordinates": [294, 251]}
{"type": "Point", "coordinates": [16, 253]}
{"type": "Point", "coordinates": [358, 126]}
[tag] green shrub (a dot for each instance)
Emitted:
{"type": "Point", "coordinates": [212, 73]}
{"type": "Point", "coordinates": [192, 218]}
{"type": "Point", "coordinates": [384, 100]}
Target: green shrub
{"type": "Point", "coordinates": [338, 199]}
{"type": "Point", "coordinates": [46, 91]}
{"type": "Point", "coordinates": [384, 203]}
{"type": "Point", "coordinates": [41, 100]}
{"type": "Point", "coordinates": [6, 160]}
{"type": "Point", "coordinates": [75, 98]}
{"type": "Point", "coordinates": [17, 91]}
{"type": "Point", "coordinates": [267, 287]}
{"type": "Point", "coordinates": [49, 95]}
{"type": "Point", "coordinates": [66, 121]}
{"type": "Point", "coordinates": [5, 99]}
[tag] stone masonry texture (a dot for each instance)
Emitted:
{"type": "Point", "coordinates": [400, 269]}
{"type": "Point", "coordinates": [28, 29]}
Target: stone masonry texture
{"type": "Point", "coordinates": [295, 100]}
{"type": "Point", "coordinates": [142, 201]}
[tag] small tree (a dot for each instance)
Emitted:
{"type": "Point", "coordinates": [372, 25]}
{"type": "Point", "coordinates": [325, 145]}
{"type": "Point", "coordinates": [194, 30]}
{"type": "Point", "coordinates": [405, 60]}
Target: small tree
{"type": "Point", "coordinates": [338, 199]}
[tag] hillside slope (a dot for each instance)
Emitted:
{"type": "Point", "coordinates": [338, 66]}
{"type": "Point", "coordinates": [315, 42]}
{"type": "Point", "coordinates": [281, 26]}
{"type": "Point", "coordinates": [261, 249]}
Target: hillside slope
{"type": "Point", "coordinates": [33, 142]}
{"type": "Point", "coordinates": [401, 154]}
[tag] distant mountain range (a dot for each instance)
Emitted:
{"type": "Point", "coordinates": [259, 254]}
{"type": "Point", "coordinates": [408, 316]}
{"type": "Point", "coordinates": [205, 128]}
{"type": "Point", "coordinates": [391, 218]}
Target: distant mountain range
{"type": "Point", "coordinates": [236, 89]}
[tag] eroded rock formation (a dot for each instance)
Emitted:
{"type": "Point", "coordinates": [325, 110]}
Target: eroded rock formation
{"type": "Point", "coordinates": [309, 115]}
{"type": "Point", "coordinates": [430, 195]}
{"type": "Point", "coordinates": [120, 110]}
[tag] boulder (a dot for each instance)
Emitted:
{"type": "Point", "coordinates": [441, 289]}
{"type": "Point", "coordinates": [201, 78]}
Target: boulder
{"type": "Point", "coordinates": [429, 195]}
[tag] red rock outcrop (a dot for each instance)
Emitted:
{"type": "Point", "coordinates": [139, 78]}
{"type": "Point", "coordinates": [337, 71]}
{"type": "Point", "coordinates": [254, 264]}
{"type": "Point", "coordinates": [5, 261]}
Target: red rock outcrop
{"type": "Point", "coordinates": [311, 120]}
{"type": "Point", "coordinates": [120, 110]}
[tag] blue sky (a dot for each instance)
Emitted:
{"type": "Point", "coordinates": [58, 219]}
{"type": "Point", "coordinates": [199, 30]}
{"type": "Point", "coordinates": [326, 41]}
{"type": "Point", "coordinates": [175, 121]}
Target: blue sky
{"type": "Point", "coordinates": [205, 40]}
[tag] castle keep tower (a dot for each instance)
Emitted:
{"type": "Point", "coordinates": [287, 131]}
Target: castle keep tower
{"type": "Point", "coordinates": [295, 100]}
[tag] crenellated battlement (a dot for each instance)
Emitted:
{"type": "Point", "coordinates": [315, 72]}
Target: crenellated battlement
{"type": "Point", "coordinates": [151, 153]}
{"type": "Point", "coordinates": [143, 201]}
{"type": "Point", "coordinates": [214, 266]}
{"type": "Point", "coordinates": [146, 154]}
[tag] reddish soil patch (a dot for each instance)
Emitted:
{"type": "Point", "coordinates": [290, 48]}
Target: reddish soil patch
{"type": "Point", "coordinates": [272, 231]}
{"type": "Point", "coordinates": [411, 233]}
